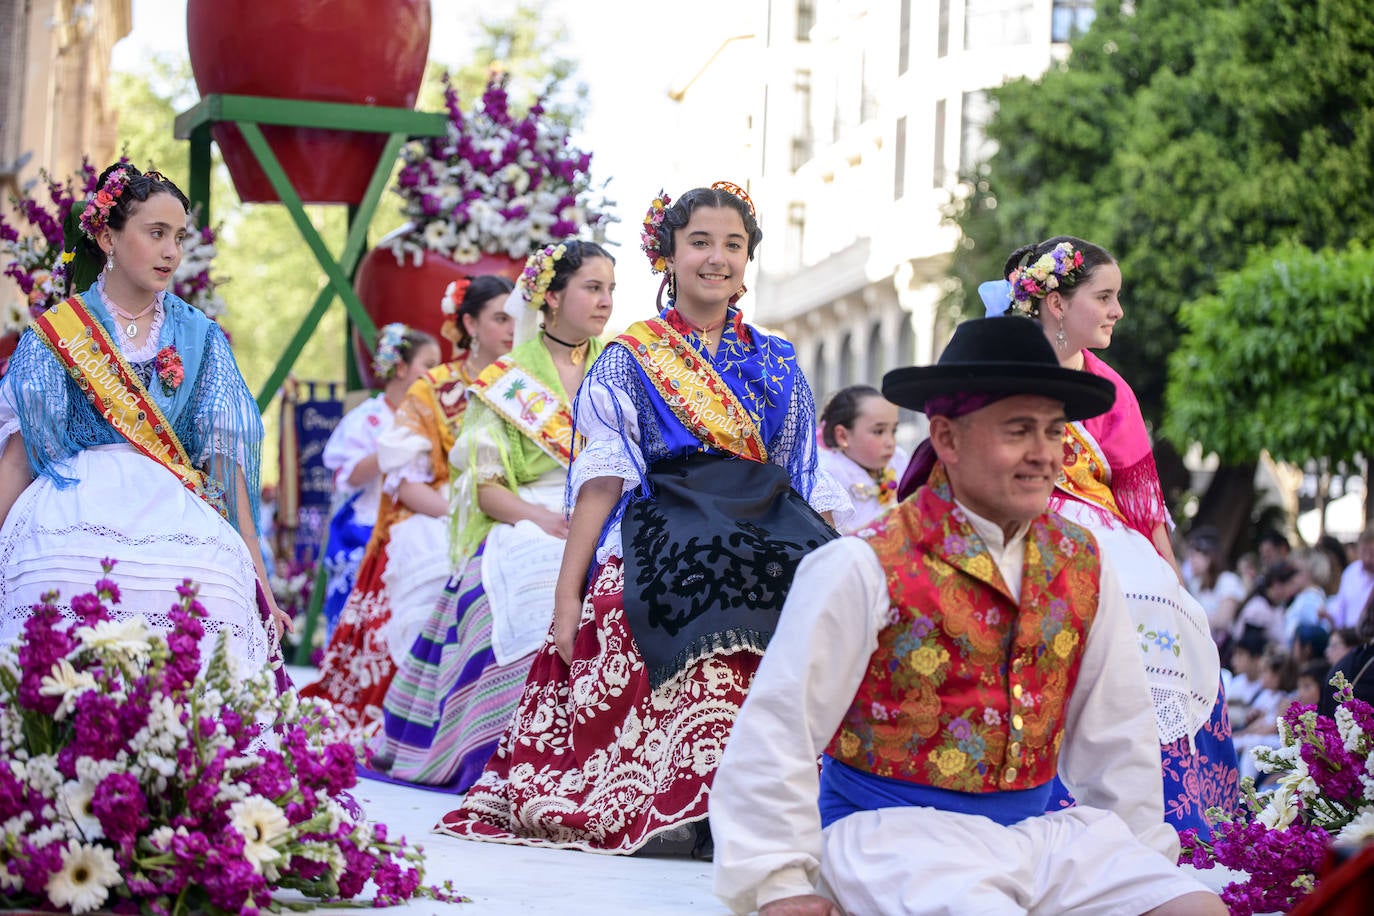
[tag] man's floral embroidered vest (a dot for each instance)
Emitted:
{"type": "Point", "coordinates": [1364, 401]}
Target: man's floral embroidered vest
{"type": "Point", "coordinates": [968, 691]}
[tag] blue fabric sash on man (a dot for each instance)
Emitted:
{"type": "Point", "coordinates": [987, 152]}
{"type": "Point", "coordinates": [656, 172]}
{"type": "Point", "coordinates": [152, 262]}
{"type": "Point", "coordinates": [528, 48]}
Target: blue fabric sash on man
{"type": "Point", "coordinates": [845, 791]}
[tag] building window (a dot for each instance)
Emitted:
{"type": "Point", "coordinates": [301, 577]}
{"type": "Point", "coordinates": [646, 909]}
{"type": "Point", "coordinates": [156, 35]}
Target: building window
{"type": "Point", "coordinates": [793, 245]}
{"type": "Point", "coordinates": [997, 23]}
{"type": "Point", "coordinates": [806, 19]}
{"type": "Point", "coordinates": [868, 102]}
{"type": "Point", "coordinates": [899, 166]}
{"type": "Point", "coordinates": [1071, 18]}
{"type": "Point", "coordinates": [939, 170]}
{"type": "Point", "coordinates": [974, 146]}
{"type": "Point", "coordinates": [12, 30]}
{"type": "Point", "coordinates": [942, 34]}
{"type": "Point", "coordinates": [803, 136]}
{"type": "Point", "coordinates": [904, 37]}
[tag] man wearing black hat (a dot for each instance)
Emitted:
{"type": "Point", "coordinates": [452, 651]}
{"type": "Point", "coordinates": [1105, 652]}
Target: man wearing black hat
{"type": "Point", "coordinates": [946, 662]}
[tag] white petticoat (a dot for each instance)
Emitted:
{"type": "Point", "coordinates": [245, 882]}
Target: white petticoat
{"type": "Point", "coordinates": [131, 509]}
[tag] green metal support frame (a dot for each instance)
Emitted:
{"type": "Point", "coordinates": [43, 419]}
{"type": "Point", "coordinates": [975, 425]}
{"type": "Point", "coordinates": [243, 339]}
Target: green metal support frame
{"type": "Point", "coordinates": [247, 113]}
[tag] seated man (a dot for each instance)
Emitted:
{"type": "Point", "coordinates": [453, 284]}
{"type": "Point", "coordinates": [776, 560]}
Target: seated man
{"type": "Point", "coordinates": [947, 661]}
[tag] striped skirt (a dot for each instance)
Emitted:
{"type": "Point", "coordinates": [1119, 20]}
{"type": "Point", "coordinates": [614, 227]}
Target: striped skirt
{"type": "Point", "coordinates": [450, 701]}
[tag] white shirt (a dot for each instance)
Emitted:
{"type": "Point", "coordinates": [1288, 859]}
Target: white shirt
{"type": "Point", "coordinates": [856, 482]}
{"type": "Point", "coordinates": [354, 439]}
{"type": "Point", "coordinates": [1348, 603]}
{"type": "Point", "coordinates": [764, 815]}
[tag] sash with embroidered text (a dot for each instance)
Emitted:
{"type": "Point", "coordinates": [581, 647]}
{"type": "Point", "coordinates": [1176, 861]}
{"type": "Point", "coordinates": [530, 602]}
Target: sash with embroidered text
{"type": "Point", "coordinates": [94, 361]}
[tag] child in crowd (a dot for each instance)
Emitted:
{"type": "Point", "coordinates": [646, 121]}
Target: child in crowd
{"type": "Point", "coordinates": [1279, 683]}
{"type": "Point", "coordinates": [1342, 641]}
{"type": "Point", "coordinates": [1311, 682]}
{"type": "Point", "coordinates": [1246, 673]}
{"type": "Point", "coordinates": [1263, 608]}
{"type": "Point", "coordinates": [859, 430]}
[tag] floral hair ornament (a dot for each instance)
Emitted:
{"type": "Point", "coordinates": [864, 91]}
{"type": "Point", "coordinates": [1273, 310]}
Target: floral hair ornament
{"type": "Point", "coordinates": [388, 357]}
{"type": "Point", "coordinates": [452, 301]}
{"type": "Point", "coordinates": [1032, 282]}
{"type": "Point", "coordinates": [95, 216]}
{"type": "Point", "coordinates": [531, 289]}
{"type": "Point", "coordinates": [731, 188]}
{"type": "Point", "coordinates": [650, 240]}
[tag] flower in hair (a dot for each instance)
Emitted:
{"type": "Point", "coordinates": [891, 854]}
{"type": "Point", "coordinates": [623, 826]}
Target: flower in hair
{"type": "Point", "coordinates": [453, 296]}
{"type": "Point", "coordinates": [1032, 282]}
{"type": "Point", "coordinates": [538, 274]}
{"type": "Point", "coordinates": [96, 215]}
{"type": "Point", "coordinates": [389, 340]}
{"type": "Point", "coordinates": [649, 240]}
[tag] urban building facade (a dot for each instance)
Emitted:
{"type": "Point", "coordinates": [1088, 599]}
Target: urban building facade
{"type": "Point", "coordinates": [872, 112]}
{"type": "Point", "coordinates": [54, 89]}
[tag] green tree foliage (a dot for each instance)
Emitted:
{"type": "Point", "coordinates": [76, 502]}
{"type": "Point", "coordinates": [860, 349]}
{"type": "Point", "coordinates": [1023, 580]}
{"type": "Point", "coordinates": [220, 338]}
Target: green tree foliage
{"type": "Point", "coordinates": [1181, 135]}
{"type": "Point", "coordinates": [1279, 359]}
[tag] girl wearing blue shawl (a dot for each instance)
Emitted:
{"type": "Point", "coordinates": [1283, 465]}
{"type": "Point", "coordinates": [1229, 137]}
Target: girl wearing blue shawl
{"type": "Point", "coordinates": [128, 433]}
{"type": "Point", "coordinates": [696, 493]}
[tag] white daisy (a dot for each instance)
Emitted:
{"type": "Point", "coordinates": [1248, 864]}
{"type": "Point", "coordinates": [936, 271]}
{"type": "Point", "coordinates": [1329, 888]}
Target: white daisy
{"type": "Point", "coordinates": [65, 682]}
{"type": "Point", "coordinates": [1358, 831]}
{"type": "Point", "coordinates": [74, 806]}
{"type": "Point", "coordinates": [260, 822]}
{"type": "Point", "coordinates": [84, 881]}
{"type": "Point", "coordinates": [129, 636]}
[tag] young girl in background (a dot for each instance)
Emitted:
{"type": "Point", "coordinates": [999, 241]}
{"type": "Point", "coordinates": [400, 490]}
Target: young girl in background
{"type": "Point", "coordinates": [403, 355]}
{"type": "Point", "coordinates": [859, 430]}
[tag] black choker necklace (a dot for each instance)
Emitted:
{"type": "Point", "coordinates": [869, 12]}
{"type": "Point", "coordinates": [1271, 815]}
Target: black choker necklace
{"type": "Point", "coordinates": [577, 351]}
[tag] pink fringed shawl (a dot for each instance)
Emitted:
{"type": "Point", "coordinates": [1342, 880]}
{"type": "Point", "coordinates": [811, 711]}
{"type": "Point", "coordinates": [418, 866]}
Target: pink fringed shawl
{"type": "Point", "coordinates": [1120, 434]}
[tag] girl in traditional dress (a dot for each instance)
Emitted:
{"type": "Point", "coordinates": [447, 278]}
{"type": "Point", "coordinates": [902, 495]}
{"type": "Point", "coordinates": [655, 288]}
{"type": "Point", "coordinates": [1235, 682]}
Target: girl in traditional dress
{"type": "Point", "coordinates": [859, 429]}
{"type": "Point", "coordinates": [128, 433]}
{"type": "Point", "coordinates": [697, 455]}
{"type": "Point", "coordinates": [403, 356]}
{"type": "Point", "coordinates": [1110, 485]}
{"type": "Point", "coordinates": [412, 511]}
{"type": "Point", "coordinates": [457, 688]}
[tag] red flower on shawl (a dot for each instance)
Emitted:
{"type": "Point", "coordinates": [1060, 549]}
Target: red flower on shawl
{"type": "Point", "coordinates": [169, 369]}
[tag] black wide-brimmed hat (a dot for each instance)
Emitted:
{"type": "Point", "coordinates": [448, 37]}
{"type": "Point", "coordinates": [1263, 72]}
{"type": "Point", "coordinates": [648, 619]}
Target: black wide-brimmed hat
{"type": "Point", "coordinates": [1004, 354]}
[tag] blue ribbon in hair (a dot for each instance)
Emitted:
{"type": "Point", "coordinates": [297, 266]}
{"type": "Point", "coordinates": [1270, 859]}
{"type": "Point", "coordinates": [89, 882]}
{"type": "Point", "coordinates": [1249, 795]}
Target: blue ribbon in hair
{"type": "Point", "coordinates": [996, 296]}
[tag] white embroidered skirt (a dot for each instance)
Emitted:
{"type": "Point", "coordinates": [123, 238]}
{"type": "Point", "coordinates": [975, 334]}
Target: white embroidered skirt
{"type": "Point", "coordinates": [131, 509]}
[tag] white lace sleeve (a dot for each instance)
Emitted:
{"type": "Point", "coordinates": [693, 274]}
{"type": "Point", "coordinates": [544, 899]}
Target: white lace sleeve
{"type": "Point", "coordinates": [828, 496]}
{"type": "Point", "coordinates": [354, 439]}
{"type": "Point", "coordinates": [9, 417]}
{"type": "Point", "coordinates": [403, 454]}
{"type": "Point", "coordinates": [606, 419]}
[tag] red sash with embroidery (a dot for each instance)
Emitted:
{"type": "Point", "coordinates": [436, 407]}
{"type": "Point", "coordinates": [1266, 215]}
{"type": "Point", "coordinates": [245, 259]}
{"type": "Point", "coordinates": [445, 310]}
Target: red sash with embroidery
{"type": "Point", "coordinates": [693, 390]}
{"type": "Point", "coordinates": [83, 346]}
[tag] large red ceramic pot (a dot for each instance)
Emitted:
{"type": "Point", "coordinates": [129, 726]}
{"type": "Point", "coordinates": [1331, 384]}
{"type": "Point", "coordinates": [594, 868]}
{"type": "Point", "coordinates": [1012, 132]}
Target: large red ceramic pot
{"type": "Point", "coordinates": [355, 51]}
{"type": "Point", "coordinates": [413, 293]}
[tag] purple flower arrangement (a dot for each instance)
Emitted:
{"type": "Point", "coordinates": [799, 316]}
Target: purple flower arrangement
{"type": "Point", "coordinates": [1323, 795]}
{"type": "Point", "coordinates": [132, 780]}
{"type": "Point", "coordinates": [494, 183]}
{"type": "Point", "coordinates": [33, 257]}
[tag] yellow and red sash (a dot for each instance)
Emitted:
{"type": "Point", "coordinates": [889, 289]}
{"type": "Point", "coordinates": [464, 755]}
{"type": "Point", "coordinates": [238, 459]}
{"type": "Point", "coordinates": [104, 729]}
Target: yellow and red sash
{"type": "Point", "coordinates": [528, 404]}
{"type": "Point", "coordinates": [95, 362]}
{"type": "Point", "coordinates": [693, 390]}
{"type": "Point", "coordinates": [1085, 473]}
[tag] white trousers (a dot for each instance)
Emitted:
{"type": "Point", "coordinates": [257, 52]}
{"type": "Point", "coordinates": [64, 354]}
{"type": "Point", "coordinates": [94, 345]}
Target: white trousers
{"type": "Point", "coordinates": [1079, 861]}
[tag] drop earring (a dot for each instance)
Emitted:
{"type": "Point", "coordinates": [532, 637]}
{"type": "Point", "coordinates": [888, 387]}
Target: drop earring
{"type": "Point", "coordinates": [109, 261]}
{"type": "Point", "coordinates": [1060, 337]}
